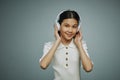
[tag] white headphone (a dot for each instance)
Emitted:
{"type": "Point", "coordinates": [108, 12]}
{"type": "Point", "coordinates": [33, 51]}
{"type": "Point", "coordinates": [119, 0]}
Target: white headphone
{"type": "Point", "coordinates": [57, 23]}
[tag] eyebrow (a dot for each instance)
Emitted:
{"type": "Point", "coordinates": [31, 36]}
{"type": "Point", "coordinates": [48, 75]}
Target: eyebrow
{"type": "Point", "coordinates": [68, 24]}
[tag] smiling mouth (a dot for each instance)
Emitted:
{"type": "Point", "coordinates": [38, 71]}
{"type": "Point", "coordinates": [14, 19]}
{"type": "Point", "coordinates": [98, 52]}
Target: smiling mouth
{"type": "Point", "coordinates": [69, 35]}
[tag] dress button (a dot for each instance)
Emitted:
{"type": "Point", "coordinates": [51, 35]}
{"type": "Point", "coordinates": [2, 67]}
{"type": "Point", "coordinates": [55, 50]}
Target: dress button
{"type": "Point", "coordinates": [66, 65]}
{"type": "Point", "coordinates": [66, 59]}
{"type": "Point", "coordinates": [66, 47]}
{"type": "Point", "coordinates": [66, 53]}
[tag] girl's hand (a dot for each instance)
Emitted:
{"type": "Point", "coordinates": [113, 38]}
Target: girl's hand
{"type": "Point", "coordinates": [78, 38]}
{"type": "Point", "coordinates": [56, 34]}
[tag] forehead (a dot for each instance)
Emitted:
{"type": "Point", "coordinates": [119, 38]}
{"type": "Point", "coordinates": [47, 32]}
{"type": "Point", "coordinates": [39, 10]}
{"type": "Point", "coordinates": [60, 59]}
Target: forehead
{"type": "Point", "coordinates": [70, 21]}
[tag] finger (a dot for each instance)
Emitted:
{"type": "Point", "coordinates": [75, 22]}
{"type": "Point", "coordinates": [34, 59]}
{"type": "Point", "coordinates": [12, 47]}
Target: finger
{"type": "Point", "coordinates": [80, 33]}
{"type": "Point", "coordinates": [80, 30]}
{"type": "Point", "coordinates": [56, 32]}
{"type": "Point", "coordinates": [56, 28]}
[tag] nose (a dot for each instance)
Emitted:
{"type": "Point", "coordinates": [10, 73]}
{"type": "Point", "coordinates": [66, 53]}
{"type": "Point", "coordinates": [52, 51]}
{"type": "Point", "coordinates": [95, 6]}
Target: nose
{"type": "Point", "coordinates": [70, 29]}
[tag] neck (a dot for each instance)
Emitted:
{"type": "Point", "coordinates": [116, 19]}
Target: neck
{"type": "Point", "coordinates": [65, 42]}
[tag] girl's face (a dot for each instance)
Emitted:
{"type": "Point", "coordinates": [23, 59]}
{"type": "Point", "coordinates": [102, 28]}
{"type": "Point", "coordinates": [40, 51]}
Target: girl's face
{"type": "Point", "coordinates": [68, 28]}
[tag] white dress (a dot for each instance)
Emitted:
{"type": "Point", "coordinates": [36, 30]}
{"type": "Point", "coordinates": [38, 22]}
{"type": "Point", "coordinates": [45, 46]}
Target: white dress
{"type": "Point", "coordinates": [66, 61]}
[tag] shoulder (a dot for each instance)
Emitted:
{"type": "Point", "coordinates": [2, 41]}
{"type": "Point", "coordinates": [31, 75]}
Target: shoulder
{"type": "Point", "coordinates": [48, 44]}
{"type": "Point", "coordinates": [47, 47]}
{"type": "Point", "coordinates": [84, 44]}
{"type": "Point", "coordinates": [83, 41]}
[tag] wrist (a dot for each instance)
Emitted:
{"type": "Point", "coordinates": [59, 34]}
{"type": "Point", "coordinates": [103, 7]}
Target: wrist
{"type": "Point", "coordinates": [79, 45]}
{"type": "Point", "coordinates": [58, 41]}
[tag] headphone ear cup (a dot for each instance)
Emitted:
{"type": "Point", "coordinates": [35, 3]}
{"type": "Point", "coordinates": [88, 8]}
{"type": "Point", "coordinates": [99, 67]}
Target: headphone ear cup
{"type": "Point", "coordinates": [78, 27]}
{"type": "Point", "coordinates": [58, 25]}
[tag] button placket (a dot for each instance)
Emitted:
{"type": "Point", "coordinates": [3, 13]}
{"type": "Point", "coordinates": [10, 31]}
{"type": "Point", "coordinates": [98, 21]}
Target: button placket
{"type": "Point", "coordinates": [66, 59]}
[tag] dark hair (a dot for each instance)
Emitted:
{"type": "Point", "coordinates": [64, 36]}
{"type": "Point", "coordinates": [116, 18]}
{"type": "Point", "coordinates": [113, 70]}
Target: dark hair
{"type": "Point", "coordinates": [68, 14]}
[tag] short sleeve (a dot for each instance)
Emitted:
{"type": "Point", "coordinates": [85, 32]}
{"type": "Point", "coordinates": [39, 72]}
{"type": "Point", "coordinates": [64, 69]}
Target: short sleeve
{"type": "Point", "coordinates": [47, 47]}
{"type": "Point", "coordinates": [85, 47]}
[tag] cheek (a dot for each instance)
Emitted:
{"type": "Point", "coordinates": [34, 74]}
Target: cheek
{"type": "Point", "coordinates": [63, 29]}
{"type": "Point", "coordinates": [75, 31]}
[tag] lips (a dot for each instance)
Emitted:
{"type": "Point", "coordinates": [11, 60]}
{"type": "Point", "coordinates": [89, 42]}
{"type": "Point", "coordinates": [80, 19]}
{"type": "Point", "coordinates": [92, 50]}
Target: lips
{"type": "Point", "coordinates": [69, 35]}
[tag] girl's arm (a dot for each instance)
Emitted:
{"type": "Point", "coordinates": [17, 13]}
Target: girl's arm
{"type": "Point", "coordinates": [49, 56]}
{"type": "Point", "coordinates": [86, 61]}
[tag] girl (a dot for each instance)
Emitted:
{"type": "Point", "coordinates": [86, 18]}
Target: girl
{"type": "Point", "coordinates": [68, 50]}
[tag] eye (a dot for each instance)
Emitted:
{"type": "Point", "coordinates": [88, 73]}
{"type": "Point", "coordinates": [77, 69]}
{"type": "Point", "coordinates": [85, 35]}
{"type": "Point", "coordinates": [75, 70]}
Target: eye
{"type": "Point", "coordinates": [66, 25]}
{"type": "Point", "coordinates": [75, 26]}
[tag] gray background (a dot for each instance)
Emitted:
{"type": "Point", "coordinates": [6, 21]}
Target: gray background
{"type": "Point", "coordinates": [25, 25]}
